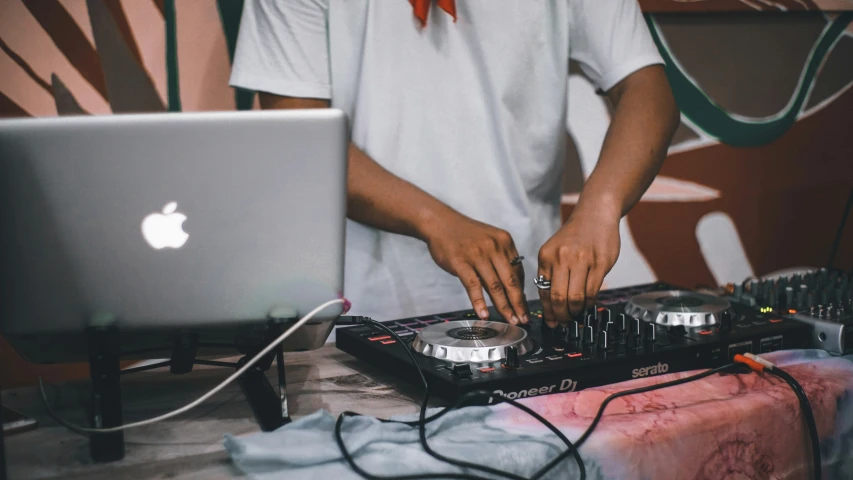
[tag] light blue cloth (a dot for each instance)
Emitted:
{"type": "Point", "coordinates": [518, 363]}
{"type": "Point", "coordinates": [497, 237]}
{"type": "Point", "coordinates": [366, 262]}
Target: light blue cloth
{"type": "Point", "coordinates": [748, 426]}
{"type": "Point", "coordinates": [306, 448]}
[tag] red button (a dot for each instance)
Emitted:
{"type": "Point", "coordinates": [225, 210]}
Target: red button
{"type": "Point", "coordinates": [574, 355]}
{"type": "Point", "coordinates": [381, 337]}
{"type": "Point", "coordinates": [487, 369]}
{"type": "Point", "coordinates": [388, 342]}
{"type": "Point", "coordinates": [775, 320]}
{"type": "Point", "coordinates": [705, 332]}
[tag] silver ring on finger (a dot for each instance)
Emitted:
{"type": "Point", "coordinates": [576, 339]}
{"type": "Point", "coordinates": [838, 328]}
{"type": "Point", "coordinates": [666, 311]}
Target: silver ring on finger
{"type": "Point", "coordinates": [541, 283]}
{"type": "Point", "coordinates": [516, 261]}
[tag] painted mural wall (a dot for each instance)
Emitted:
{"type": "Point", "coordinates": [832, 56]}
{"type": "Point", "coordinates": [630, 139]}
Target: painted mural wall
{"type": "Point", "coordinates": [755, 181]}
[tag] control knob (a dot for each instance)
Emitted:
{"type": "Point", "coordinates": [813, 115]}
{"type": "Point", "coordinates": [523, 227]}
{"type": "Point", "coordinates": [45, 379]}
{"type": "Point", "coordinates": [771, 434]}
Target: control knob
{"type": "Point", "coordinates": [634, 333]}
{"type": "Point", "coordinates": [603, 341]}
{"type": "Point", "coordinates": [650, 333]}
{"type": "Point", "coordinates": [588, 335]}
{"type": "Point", "coordinates": [726, 321]}
{"type": "Point", "coordinates": [511, 357]}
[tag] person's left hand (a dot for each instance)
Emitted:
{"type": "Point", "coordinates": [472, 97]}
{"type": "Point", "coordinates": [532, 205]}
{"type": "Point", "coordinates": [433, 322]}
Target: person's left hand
{"type": "Point", "coordinates": [575, 261]}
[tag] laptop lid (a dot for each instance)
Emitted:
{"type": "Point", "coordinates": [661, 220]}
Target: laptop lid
{"type": "Point", "coordinates": [191, 220]}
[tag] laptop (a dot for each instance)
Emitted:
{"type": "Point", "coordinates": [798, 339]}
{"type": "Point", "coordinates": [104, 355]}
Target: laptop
{"type": "Point", "coordinates": [159, 223]}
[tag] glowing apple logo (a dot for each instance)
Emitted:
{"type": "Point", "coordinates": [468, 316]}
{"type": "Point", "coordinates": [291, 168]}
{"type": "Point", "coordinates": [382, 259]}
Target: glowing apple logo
{"type": "Point", "coordinates": [165, 230]}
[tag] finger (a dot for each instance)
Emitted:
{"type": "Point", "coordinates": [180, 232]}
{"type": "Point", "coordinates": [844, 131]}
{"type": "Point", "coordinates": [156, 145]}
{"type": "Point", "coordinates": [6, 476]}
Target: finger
{"type": "Point", "coordinates": [577, 288]}
{"type": "Point", "coordinates": [544, 270]}
{"type": "Point", "coordinates": [545, 298]}
{"type": "Point", "coordinates": [471, 281]}
{"type": "Point", "coordinates": [559, 293]}
{"type": "Point", "coordinates": [512, 253]}
{"type": "Point", "coordinates": [593, 284]}
{"type": "Point", "coordinates": [509, 275]}
{"type": "Point", "coordinates": [496, 290]}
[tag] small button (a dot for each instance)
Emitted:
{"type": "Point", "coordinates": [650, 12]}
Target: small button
{"type": "Point", "coordinates": [574, 355]}
{"type": "Point", "coordinates": [379, 338]}
{"type": "Point", "coordinates": [705, 332]}
{"type": "Point", "coordinates": [388, 342]}
{"type": "Point", "coordinates": [487, 369]}
{"type": "Point", "coordinates": [406, 334]}
{"type": "Point", "coordinates": [554, 357]}
{"type": "Point", "coordinates": [462, 370]}
{"type": "Point", "coordinates": [759, 322]}
{"type": "Point", "coordinates": [775, 320]}
{"type": "Point", "coordinates": [559, 349]}
{"type": "Point", "coordinates": [534, 360]}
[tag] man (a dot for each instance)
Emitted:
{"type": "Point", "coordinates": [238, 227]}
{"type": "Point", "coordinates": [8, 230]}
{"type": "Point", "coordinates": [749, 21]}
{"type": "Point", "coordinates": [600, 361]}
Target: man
{"type": "Point", "coordinates": [458, 118]}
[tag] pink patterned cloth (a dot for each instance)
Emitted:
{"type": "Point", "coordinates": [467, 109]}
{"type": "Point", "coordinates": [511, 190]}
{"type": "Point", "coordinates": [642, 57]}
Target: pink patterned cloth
{"type": "Point", "coordinates": [721, 427]}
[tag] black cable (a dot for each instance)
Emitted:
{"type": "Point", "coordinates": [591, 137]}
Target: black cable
{"type": "Point", "coordinates": [808, 414]}
{"type": "Point", "coordinates": [839, 233]}
{"type": "Point", "coordinates": [422, 421]}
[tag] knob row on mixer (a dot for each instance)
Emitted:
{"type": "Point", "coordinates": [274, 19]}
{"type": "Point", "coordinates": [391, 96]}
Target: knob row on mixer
{"type": "Point", "coordinates": [602, 329]}
{"type": "Point", "coordinates": [798, 292]}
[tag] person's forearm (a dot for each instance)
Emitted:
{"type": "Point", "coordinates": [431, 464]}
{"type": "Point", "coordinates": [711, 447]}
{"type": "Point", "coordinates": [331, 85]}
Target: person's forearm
{"type": "Point", "coordinates": [382, 200]}
{"type": "Point", "coordinates": [375, 196]}
{"type": "Point", "coordinates": [644, 120]}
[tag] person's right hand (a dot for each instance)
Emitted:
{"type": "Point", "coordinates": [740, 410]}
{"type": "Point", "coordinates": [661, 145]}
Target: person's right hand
{"type": "Point", "coordinates": [480, 255]}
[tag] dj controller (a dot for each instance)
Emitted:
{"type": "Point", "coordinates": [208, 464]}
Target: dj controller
{"type": "Point", "coordinates": [632, 332]}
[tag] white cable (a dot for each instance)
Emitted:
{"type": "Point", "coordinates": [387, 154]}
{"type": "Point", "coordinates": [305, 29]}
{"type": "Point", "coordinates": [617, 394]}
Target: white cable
{"type": "Point", "coordinates": [767, 364]}
{"type": "Point", "coordinates": [204, 397]}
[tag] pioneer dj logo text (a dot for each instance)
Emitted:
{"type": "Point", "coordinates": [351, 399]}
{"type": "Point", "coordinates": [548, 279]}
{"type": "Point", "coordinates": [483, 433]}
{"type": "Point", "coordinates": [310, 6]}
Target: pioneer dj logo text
{"type": "Point", "coordinates": [647, 371]}
{"type": "Point", "coordinates": [567, 385]}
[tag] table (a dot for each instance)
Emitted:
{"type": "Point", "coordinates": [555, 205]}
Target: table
{"type": "Point", "coordinates": [190, 446]}
{"type": "Point", "coordinates": [742, 424]}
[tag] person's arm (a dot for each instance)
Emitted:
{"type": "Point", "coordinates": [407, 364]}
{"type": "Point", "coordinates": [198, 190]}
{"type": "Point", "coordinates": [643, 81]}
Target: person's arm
{"type": "Point", "coordinates": [644, 121]}
{"type": "Point", "coordinates": [476, 253]}
{"type": "Point", "coordinates": [583, 251]}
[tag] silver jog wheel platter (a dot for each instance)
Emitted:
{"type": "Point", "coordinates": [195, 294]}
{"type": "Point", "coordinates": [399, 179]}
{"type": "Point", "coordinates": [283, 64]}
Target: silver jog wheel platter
{"type": "Point", "coordinates": [678, 308]}
{"type": "Point", "coordinates": [471, 341]}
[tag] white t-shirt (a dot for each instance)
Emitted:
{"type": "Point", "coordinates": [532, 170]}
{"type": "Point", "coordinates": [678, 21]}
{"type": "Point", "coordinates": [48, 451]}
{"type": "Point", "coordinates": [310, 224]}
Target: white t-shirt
{"type": "Point", "coordinates": [473, 112]}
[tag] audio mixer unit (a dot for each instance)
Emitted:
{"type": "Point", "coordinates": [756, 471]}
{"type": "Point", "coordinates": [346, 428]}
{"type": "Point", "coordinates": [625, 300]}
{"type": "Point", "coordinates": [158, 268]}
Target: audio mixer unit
{"type": "Point", "coordinates": [632, 332]}
{"type": "Point", "coordinates": [822, 299]}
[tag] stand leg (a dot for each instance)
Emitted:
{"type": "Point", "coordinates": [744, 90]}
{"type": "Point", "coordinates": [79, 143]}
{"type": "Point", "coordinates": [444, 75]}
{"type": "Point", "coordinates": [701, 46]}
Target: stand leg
{"type": "Point", "coordinates": [268, 406]}
{"type": "Point", "coordinates": [183, 353]}
{"type": "Point", "coordinates": [282, 384]}
{"type": "Point", "coordinates": [2, 444]}
{"type": "Point", "coordinates": [261, 395]}
{"type": "Point", "coordinates": [105, 370]}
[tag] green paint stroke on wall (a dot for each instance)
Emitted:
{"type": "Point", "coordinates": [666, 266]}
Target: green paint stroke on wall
{"type": "Point", "coordinates": [716, 122]}
{"type": "Point", "coordinates": [172, 56]}
{"type": "Point", "coordinates": [230, 12]}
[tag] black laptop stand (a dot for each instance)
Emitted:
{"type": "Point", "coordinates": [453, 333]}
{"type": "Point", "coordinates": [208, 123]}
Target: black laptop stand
{"type": "Point", "coordinates": [268, 405]}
